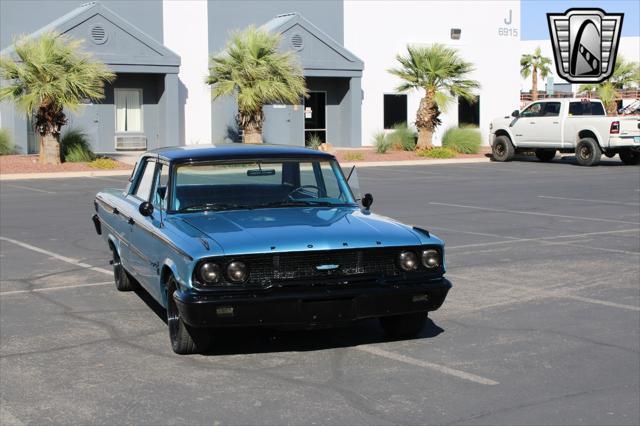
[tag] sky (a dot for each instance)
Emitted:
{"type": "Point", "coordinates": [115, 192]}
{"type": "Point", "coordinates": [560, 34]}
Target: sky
{"type": "Point", "coordinates": [533, 15]}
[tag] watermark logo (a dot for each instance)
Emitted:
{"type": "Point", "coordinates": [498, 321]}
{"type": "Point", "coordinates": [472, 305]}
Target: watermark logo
{"type": "Point", "coordinates": [585, 43]}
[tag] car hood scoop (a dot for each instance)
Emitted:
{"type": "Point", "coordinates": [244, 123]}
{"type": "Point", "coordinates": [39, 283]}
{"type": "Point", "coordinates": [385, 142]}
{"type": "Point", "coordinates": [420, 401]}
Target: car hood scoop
{"type": "Point", "coordinates": [299, 229]}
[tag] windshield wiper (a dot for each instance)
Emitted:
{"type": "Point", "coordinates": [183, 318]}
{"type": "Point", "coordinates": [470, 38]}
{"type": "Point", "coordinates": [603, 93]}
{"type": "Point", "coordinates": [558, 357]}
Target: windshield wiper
{"type": "Point", "coordinates": [297, 203]}
{"type": "Point", "coordinates": [213, 206]}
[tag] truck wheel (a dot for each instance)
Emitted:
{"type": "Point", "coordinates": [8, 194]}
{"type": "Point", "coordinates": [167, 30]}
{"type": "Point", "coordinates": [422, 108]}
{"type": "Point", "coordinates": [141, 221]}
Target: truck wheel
{"type": "Point", "coordinates": [629, 157]}
{"type": "Point", "coordinates": [403, 326]}
{"type": "Point", "coordinates": [124, 282]}
{"type": "Point", "coordinates": [503, 149]}
{"type": "Point", "coordinates": [184, 338]}
{"type": "Point", "coordinates": [545, 154]}
{"type": "Point", "coordinates": [588, 152]}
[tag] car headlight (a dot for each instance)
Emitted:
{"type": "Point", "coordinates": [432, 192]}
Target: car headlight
{"type": "Point", "coordinates": [237, 272]}
{"type": "Point", "coordinates": [209, 273]}
{"type": "Point", "coordinates": [430, 258]}
{"type": "Point", "coordinates": [408, 261]}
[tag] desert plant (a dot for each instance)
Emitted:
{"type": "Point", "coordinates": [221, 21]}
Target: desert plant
{"type": "Point", "coordinates": [6, 145]}
{"type": "Point", "coordinates": [465, 140]}
{"type": "Point", "coordinates": [443, 75]}
{"type": "Point", "coordinates": [437, 152]}
{"type": "Point", "coordinates": [625, 74]}
{"type": "Point", "coordinates": [381, 142]}
{"type": "Point", "coordinates": [75, 147]}
{"type": "Point", "coordinates": [253, 70]}
{"type": "Point", "coordinates": [103, 163]}
{"type": "Point", "coordinates": [51, 74]}
{"type": "Point", "coordinates": [402, 138]}
{"type": "Point", "coordinates": [530, 65]}
{"type": "Point", "coordinates": [314, 142]}
{"type": "Point", "coordinates": [353, 156]}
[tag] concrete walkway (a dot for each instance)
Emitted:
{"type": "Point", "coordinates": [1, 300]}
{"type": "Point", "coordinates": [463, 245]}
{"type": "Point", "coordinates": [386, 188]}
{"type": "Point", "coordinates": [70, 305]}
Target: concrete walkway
{"type": "Point", "coordinates": [361, 164]}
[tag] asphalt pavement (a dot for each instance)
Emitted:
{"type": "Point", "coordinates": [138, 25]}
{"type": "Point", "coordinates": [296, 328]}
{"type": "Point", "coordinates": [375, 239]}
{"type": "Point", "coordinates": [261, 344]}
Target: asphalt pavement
{"type": "Point", "coordinates": [542, 325]}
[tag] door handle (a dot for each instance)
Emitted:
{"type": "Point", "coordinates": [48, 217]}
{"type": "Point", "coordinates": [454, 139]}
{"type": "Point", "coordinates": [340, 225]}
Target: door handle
{"type": "Point", "coordinates": [532, 122]}
{"type": "Point", "coordinates": [556, 122]}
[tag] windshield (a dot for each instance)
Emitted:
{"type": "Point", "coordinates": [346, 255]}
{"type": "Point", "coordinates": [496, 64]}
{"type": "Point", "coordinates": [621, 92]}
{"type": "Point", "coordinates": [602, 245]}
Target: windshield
{"type": "Point", "coordinates": [241, 184]}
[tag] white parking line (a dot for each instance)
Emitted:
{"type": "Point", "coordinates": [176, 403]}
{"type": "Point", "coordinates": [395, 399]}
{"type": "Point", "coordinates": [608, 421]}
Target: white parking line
{"type": "Point", "coordinates": [425, 364]}
{"type": "Point", "coordinates": [57, 256]}
{"type": "Point", "coordinates": [554, 293]}
{"type": "Point", "coordinates": [589, 200]}
{"type": "Point", "coordinates": [489, 209]}
{"type": "Point", "coordinates": [37, 290]}
{"type": "Point", "coordinates": [13, 185]}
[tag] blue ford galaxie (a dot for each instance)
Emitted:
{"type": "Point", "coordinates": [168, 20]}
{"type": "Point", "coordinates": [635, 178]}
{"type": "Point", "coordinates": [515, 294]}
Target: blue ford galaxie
{"type": "Point", "coordinates": [242, 235]}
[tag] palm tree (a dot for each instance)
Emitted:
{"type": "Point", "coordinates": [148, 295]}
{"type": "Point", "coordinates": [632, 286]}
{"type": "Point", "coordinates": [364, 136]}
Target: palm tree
{"type": "Point", "coordinates": [625, 74]}
{"type": "Point", "coordinates": [530, 65]}
{"type": "Point", "coordinates": [443, 75]}
{"type": "Point", "coordinates": [51, 74]}
{"type": "Point", "coordinates": [252, 69]}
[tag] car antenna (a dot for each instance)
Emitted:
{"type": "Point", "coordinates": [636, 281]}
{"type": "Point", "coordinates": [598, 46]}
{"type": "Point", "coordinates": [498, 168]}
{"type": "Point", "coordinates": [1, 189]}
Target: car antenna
{"type": "Point", "coordinates": [351, 172]}
{"type": "Point", "coordinates": [165, 193]}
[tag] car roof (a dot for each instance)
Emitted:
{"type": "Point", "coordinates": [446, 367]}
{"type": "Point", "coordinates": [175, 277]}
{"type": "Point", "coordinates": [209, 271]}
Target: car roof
{"type": "Point", "coordinates": [567, 99]}
{"type": "Point", "coordinates": [228, 151]}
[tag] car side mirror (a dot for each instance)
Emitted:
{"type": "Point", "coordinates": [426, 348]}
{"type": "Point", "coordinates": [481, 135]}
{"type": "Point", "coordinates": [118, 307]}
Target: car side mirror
{"type": "Point", "coordinates": [515, 113]}
{"type": "Point", "coordinates": [146, 209]}
{"type": "Point", "coordinates": [367, 201]}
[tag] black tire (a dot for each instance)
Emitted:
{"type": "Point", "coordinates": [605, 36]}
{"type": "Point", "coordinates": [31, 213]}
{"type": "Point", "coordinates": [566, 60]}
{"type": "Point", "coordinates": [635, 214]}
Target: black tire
{"type": "Point", "coordinates": [545, 154]}
{"type": "Point", "coordinates": [629, 157]}
{"type": "Point", "coordinates": [124, 282]}
{"type": "Point", "coordinates": [503, 149]}
{"type": "Point", "coordinates": [588, 152]}
{"type": "Point", "coordinates": [184, 339]}
{"type": "Point", "coordinates": [403, 326]}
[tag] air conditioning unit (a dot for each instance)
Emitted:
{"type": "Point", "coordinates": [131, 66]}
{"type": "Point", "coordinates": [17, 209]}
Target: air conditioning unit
{"type": "Point", "coordinates": [131, 142]}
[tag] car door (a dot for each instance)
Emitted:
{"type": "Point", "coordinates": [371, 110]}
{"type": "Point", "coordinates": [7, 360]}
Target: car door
{"type": "Point", "coordinates": [547, 130]}
{"type": "Point", "coordinates": [523, 127]}
{"type": "Point", "coordinates": [145, 243]}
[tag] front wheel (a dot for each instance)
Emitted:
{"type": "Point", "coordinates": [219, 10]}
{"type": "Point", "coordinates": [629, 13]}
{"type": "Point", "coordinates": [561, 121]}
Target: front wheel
{"type": "Point", "coordinates": [184, 338]}
{"type": "Point", "coordinates": [588, 152]}
{"type": "Point", "coordinates": [403, 326]}
{"type": "Point", "coordinates": [503, 149]}
{"type": "Point", "coordinates": [629, 157]}
{"type": "Point", "coordinates": [545, 154]}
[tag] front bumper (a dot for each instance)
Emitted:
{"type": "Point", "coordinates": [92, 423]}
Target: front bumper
{"type": "Point", "coordinates": [310, 307]}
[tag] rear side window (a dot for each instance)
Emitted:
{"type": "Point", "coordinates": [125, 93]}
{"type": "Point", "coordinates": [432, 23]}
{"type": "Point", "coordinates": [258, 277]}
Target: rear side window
{"type": "Point", "coordinates": [586, 108]}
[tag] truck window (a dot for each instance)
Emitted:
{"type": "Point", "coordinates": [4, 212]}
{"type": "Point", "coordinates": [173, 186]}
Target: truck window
{"type": "Point", "coordinates": [533, 110]}
{"type": "Point", "coordinates": [586, 108]}
{"type": "Point", "coordinates": [551, 109]}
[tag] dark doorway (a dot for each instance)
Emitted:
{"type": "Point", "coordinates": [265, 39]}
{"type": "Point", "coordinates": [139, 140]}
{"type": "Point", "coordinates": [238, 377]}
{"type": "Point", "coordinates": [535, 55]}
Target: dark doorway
{"type": "Point", "coordinates": [469, 112]}
{"type": "Point", "coordinates": [315, 119]}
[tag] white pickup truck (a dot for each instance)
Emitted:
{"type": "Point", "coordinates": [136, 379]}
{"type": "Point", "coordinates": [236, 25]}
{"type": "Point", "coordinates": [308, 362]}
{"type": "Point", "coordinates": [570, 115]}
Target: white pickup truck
{"type": "Point", "coordinates": [567, 125]}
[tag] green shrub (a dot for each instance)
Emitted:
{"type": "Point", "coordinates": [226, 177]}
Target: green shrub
{"type": "Point", "coordinates": [6, 147]}
{"type": "Point", "coordinates": [75, 147]}
{"type": "Point", "coordinates": [438, 152]}
{"type": "Point", "coordinates": [314, 142]}
{"type": "Point", "coordinates": [465, 140]}
{"type": "Point", "coordinates": [402, 138]}
{"type": "Point", "coordinates": [381, 142]}
{"type": "Point", "coordinates": [354, 156]}
{"type": "Point", "coordinates": [103, 163]}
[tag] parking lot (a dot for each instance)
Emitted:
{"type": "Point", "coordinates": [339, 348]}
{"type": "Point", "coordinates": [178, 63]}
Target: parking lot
{"type": "Point", "coordinates": [542, 325]}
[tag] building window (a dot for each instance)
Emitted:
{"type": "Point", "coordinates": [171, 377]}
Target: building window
{"type": "Point", "coordinates": [395, 110]}
{"type": "Point", "coordinates": [469, 112]}
{"type": "Point", "coordinates": [128, 110]}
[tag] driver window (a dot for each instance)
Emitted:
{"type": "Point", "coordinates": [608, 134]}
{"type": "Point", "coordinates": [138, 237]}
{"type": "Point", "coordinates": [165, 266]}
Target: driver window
{"type": "Point", "coordinates": [145, 181]}
{"type": "Point", "coordinates": [160, 192]}
{"type": "Point", "coordinates": [533, 110]}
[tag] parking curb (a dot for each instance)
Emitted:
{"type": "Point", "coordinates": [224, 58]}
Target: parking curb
{"type": "Point", "coordinates": [358, 164]}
